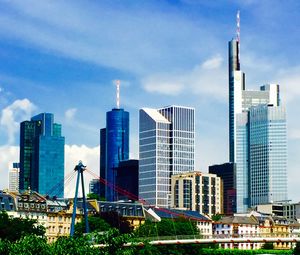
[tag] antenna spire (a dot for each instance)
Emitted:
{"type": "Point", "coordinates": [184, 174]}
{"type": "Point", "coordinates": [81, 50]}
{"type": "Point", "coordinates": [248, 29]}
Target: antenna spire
{"type": "Point", "coordinates": [118, 93]}
{"type": "Point", "coordinates": [238, 26]}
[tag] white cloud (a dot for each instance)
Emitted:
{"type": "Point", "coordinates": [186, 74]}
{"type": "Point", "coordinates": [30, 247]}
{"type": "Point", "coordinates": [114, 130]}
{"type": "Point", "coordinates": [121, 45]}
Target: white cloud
{"type": "Point", "coordinates": [12, 115]}
{"type": "Point", "coordinates": [89, 157]}
{"type": "Point", "coordinates": [213, 63]}
{"type": "Point", "coordinates": [127, 40]}
{"type": "Point", "coordinates": [206, 79]}
{"type": "Point", "coordinates": [156, 84]}
{"type": "Point", "coordinates": [73, 153]}
{"type": "Point", "coordinates": [8, 155]}
{"type": "Point", "coordinates": [70, 113]}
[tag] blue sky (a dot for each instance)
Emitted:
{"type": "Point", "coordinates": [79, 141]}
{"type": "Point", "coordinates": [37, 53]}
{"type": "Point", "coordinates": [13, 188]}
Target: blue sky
{"type": "Point", "coordinates": [64, 56]}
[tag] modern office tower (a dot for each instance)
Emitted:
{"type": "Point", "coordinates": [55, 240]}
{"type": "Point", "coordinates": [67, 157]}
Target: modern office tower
{"type": "Point", "coordinates": [227, 174]}
{"type": "Point", "coordinates": [14, 178]}
{"type": "Point", "coordinates": [114, 146]}
{"type": "Point", "coordinates": [197, 191]}
{"type": "Point", "coordinates": [102, 161]}
{"type": "Point", "coordinates": [166, 147]}
{"type": "Point", "coordinates": [94, 186]}
{"type": "Point", "coordinates": [117, 147]}
{"type": "Point", "coordinates": [128, 180]}
{"type": "Point", "coordinates": [42, 155]}
{"type": "Point", "coordinates": [267, 154]}
{"type": "Point", "coordinates": [240, 101]}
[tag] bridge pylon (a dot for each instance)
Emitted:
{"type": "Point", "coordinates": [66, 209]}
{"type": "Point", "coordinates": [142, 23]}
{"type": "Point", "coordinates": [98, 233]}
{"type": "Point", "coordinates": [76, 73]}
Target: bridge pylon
{"type": "Point", "coordinates": [80, 168]}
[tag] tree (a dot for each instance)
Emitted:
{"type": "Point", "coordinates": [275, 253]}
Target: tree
{"type": "Point", "coordinates": [13, 229]}
{"type": "Point", "coordinates": [115, 220]}
{"type": "Point", "coordinates": [93, 196]}
{"type": "Point", "coordinates": [96, 224]}
{"type": "Point", "coordinates": [297, 249]}
{"type": "Point", "coordinates": [167, 227]}
{"type": "Point", "coordinates": [216, 217]}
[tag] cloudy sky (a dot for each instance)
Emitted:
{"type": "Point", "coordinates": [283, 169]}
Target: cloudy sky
{"type": "Point", "coordinates": [64, 56]}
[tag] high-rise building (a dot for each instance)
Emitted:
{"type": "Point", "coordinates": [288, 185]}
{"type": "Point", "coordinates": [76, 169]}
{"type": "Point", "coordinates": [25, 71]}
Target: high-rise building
{"type": "Point", "coordinates": [166, 147]}
{"type": "Point", "coordinates": [267, 154]}
{"type": "Point", "coordinates": [94, 186]}
{"type": "Point", "coordinates": [197, 191]}
{"type": "Point", "coordinates": [114, 147]}
{"type": "Point", "coordinates": [240, 103]}
{"type": "Point", "coordinates": [102, 161]}
{"type": "Point", "coordinates": [42, 155]}
{"type": "Point", "coordinates": [14, 178]}
{"type": "Point", "coordinates": [227, 174]}
{"type": "Point", "coordinates": [128, 180]}
{"type": "Point", "coordinates": [117, 147]}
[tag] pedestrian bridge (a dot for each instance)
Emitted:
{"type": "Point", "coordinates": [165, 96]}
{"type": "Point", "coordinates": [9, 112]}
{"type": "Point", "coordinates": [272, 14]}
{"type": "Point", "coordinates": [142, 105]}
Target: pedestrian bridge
{"type": "Point", "coordinates": [168, 240]}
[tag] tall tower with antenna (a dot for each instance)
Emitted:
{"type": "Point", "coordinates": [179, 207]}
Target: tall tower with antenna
{"type": "Point", "coordinates": [114, 145]}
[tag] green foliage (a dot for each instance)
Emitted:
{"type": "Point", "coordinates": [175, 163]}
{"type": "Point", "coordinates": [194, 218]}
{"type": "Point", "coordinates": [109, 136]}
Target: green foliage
{"type": "Point", "coordinates": [268, 246]}
{"type": "Point", "coordinates": [116, 221]}
{"type": "Point", "coordinates": [297, 249]}
{"type": "Point", "coordinates": [216, 217]}
{"type": "Point", "coordinates": [13, 229]}
{"type": "Point", "coordinates": [30, 245]}
{"type": "Point", "coordinates": [243, 252]}
{"type": "Point", "coordinates": [114, 241]}
{"type": "Point", "coordinates": [74, 246]}
{"type": "Point", "coordinates": [93, 196]}
{"type": "Point", "coordinates": [167, 227]}
{"type": "Point", "coordinates": [96, 224]}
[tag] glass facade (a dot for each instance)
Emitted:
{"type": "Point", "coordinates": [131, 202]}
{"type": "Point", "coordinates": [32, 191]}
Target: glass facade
{"type": "Point", "coordinates": [166, 147]}
{"type": "Point", "coordinates": [240, 101]}
{"type": "Point", "coordinates": [102, 160]}
{"type": "Point", "coordinates": [227, 172]}
{"type": "Point", "coordinates": [117, 147]}
{"type": "Point", "coordinates": [42, 155]}
{"type": "Point", "coordinates": [242, 175]}
{"type": "Point", "coordinates": [268, 154]}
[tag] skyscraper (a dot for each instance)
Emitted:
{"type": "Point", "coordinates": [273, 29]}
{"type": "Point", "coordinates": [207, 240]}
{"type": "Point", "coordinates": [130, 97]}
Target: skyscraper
{"type": "Point", "coordinates": [240, 103]}
{"type": "Point", "coordinates": [166, 147]}
{"type": "Point", "coordinates": [226, 172]}
{"type": "Point", "coordinates": [114, 147]}
{"type": "Point", "coordinates": [42, 155]}
{"type": "Point", "coordinates": [267, 154]}
{"type": "Point", "coordinates": [14, 178]}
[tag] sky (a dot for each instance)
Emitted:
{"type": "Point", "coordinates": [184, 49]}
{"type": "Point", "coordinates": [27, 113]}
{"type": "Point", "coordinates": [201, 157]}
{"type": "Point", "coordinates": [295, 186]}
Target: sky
{"type": "Point", "coordinates": [64, 57]}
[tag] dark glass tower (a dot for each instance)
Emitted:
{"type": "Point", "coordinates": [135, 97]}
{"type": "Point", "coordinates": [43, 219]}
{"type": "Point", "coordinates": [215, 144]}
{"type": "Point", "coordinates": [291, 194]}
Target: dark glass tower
{"type": "Point", "coordinates": [42, 155]}
{"type": "Point", "coordinates": [117, 147]}
{"type": "Point", "coordinates": [102, 160]}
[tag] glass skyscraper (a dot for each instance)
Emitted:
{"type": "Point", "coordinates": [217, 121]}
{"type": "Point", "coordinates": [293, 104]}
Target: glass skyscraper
{"type": "Point", "coordinates": [166, 147]}
{"type": "Point", "coordinates": [114, 148]}
{"type": "Point", "coordinates": [268, 154]}
{"type": "Point", "coordinates": [240, 137]}
{"type": "Point", "coordinates": [42, 155]}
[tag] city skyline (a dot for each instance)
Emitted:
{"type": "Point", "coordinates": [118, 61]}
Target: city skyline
{"type": "Point", "coordinates": [67, 64]}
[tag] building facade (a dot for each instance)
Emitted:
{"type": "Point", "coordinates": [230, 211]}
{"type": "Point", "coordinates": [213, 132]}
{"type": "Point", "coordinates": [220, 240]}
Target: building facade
{"type": "Point", "coordinates": [94, 186]}
{"type": "Point", "coordinates": [240, 103]}
{"type": "Point", "coordinates": [114, 148]}
{"type": "Point", "coordinates": [267, 154]}
{"type": "Point", "coordinates": [14, 173]}
{"type": "Point", "coordinates": [128, 180]}
{"type": "Point", "coordinates": [166, 147]}
{"type": "Point", "coordinates": [42, 155]}
{"type": "Point", "coordinates": [196, 191]}
{"type": "Point", "coordinates": [227, 174]}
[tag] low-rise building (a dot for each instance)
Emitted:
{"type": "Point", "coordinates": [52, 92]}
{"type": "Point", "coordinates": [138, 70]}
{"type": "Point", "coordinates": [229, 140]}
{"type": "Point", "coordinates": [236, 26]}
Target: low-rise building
{"type": "Point", "coordinates": [237, 226]}
{"type": "Point", "coordinates": [197, 191]}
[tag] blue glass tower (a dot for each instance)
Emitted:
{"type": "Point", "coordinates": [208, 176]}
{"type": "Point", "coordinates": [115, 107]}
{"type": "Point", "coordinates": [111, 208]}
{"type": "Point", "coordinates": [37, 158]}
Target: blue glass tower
{"type": "Point", "coordinates": [117, 147]}
{"type": "Point", "coordinates": [42, 155]}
